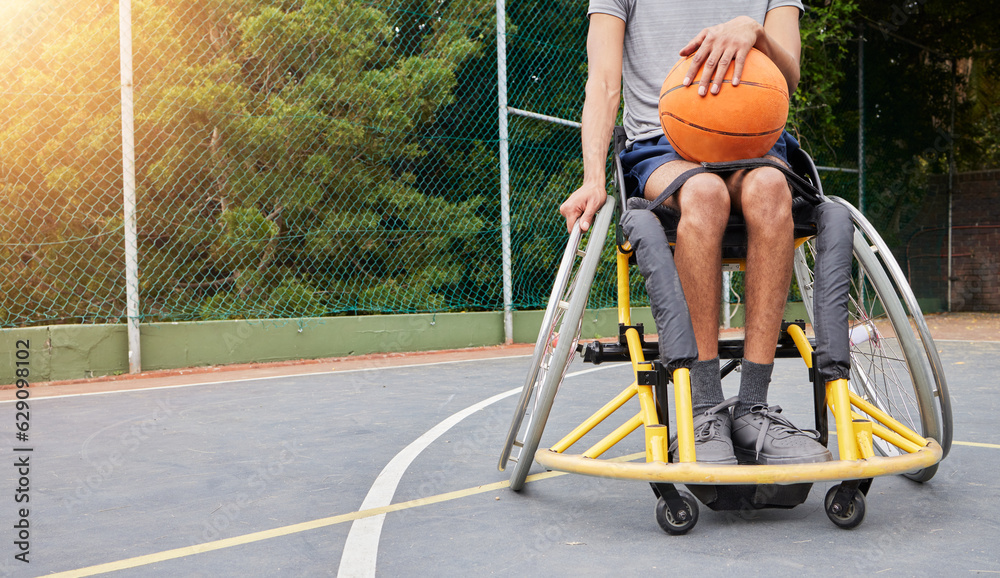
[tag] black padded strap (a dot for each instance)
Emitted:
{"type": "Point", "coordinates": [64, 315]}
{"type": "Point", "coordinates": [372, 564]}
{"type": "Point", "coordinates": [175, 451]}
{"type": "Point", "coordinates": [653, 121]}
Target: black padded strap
{"type": "Point", "coordinates": [799, 185]}
{"type": "Point", "coordinates": [804, 188]}
{"type": "Point", "coordinates": [676, 184]}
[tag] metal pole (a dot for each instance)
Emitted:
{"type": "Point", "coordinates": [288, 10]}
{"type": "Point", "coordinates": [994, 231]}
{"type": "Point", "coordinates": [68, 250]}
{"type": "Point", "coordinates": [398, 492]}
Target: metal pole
{"type": "Point", "coordinates": [861, 146]}
{"type": "Point", "coordinates": [861, 122]}
{"type": "Point", "coordinates": [128, 187]}
{"type": "Point", "coordinates": [727, 287]}
{"type": "Point", "coordinates": [951, 171]}
{"type": "Point", "coordinates": [508, 293]}
{"type": "Point", "coordinates": [545, 117]}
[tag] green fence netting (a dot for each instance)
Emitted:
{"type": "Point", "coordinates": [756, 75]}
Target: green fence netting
{"type": "Point", "coordinates": [308, 158]}
{"type": "Point", "coordinates": [292, 159]}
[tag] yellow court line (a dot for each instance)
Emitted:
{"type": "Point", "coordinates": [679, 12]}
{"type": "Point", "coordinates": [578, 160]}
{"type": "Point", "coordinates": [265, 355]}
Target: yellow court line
{"type": "Point", "coordinates": [976, 445]}
{"type": "Point", "coordinates": [287, 530]}
{"type": "Point", "coordinates": [301, 527]}
{"type": "Point", "coordinates": [958, 443]}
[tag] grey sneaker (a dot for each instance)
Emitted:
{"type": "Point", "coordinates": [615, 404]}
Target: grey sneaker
{"type": "Point", "coordinates": [713, 443]}
{"type": "Point", "coordinates": [764, 436]}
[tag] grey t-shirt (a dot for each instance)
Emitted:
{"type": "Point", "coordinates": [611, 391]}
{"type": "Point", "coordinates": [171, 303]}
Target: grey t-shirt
{"type": "Point", "coordinates": [655, 31]}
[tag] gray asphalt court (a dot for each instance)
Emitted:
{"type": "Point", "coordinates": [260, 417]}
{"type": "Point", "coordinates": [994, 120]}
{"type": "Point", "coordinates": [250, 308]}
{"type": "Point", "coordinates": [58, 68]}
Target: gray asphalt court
{"type": "Point", "coordinates": [392, 471]}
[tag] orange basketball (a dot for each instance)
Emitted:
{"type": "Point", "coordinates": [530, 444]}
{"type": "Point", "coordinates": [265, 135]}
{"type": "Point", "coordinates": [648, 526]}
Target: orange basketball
{"type": "Point", "coordinates": [740, 122]}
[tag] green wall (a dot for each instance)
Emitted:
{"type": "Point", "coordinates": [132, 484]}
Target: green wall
{"type": "Point", "coordinates": [60, 352]}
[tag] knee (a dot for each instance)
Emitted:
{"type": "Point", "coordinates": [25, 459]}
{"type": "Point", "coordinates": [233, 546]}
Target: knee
{"type": "Point", "coordinates": [704, 202]}
{"type": "Point", "coordinates": [766, 198]}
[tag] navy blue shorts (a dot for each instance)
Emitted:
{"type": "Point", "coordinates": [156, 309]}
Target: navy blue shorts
{"type": "Point", "coordinates": [646, 156]}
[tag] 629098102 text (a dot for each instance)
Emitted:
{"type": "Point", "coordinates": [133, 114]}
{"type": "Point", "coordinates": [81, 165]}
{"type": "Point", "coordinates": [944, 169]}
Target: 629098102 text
{"type": "Point", "coordinates": [22, 453]}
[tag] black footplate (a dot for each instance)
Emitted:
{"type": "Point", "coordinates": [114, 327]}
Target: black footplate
{"type": "Point", "coordinates": [597, 352]}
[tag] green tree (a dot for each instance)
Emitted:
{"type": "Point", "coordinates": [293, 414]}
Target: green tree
{"type": "Point", "coordinates": [60, 240]}
{"type": "Point", "coordinates": [311, 113]}
{"type": "Point", "coordinates": [547, 71]}
{"type": "Point", "coordinates": [281, 159]}
{"type": "Point", "coordinates": [911, 92]}
{"type": "Point", "coordinates": [826, 30]}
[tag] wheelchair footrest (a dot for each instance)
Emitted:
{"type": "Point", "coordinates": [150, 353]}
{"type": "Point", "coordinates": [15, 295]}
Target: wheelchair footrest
{"type": "Point", "coordinates": [750, 496]}
{"type": "Point", "coordinates": [596, 352]}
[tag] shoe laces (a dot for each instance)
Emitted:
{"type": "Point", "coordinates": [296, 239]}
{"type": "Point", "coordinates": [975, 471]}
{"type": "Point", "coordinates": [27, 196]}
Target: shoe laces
{"type": "Point", "coordinates": [773, 420]}
{"type": "Point", "coordinates": [708, 430]}
{"type": "Point", "coordinates": [708, 424]}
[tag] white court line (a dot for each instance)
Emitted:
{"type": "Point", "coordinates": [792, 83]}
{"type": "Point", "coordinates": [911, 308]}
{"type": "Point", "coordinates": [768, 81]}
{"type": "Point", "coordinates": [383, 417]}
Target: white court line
{"type": "Point", "coordinates": [334, 371]}
{"type": "Point", "coordinates": [361, 547]}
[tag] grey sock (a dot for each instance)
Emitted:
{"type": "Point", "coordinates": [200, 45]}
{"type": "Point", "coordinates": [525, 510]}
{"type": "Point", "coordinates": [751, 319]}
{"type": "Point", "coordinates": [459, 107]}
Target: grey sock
{"type": "Point", "coordinates": [754, 379]}
{"type": "Point", "coordinates": [706, 385]}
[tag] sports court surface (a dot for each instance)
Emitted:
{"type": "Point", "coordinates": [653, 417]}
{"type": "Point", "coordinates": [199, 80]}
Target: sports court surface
{"type": "Point", "coordinates": [387, 466]}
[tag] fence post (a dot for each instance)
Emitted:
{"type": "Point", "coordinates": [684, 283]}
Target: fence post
{"type": "Point", "coordinates": [508, 293]}
{"type": "Point", "coordinates": [128, 186]}
{"type": "Point", "coordinates": [861, 142]}
{"type": "Point", "coordinates": [951, 173]}
{"type": "Point", "coordinates": [861, 122]}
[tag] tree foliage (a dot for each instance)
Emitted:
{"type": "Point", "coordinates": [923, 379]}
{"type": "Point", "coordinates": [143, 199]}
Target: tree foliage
{"type": "Point", "coordinates": [929, 84]}
{"type": "Point", "coordinates": [281, 149]}
{"type": "Point", "coordinates": [314, 157]}
{"type": "Point", "coordinates": [826, 30]}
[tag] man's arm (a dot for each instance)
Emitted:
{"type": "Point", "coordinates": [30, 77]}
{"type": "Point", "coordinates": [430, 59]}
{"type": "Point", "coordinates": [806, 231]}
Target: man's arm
{"type": "Point", "coordinates": [605, 40]}
{"type": "Point", "coordinates": [719, 45]}
{"type": "Point", "coordinates": [782, 42]}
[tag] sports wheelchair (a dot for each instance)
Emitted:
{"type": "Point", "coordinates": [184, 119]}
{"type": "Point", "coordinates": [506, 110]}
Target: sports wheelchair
{"type": "Point", "coordinates": [872, 363]}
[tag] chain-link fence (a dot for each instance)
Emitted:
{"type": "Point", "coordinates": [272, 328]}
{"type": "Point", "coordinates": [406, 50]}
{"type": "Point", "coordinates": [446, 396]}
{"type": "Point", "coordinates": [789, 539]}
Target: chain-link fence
{"type": "Point", "coordinates": [61, 244]}
{"type": "Point", "coordinates": [308, 158]}
{"type": "Point", "coordinates": [925, 181]}
{"type": "Point", "coordinates": [292, 159]}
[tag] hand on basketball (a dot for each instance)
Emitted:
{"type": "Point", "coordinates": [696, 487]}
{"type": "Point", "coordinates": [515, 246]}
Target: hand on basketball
{"type": "Point", "coordinates": [717, 47]}
{"type": "Point", "coordinates": [583, 204]}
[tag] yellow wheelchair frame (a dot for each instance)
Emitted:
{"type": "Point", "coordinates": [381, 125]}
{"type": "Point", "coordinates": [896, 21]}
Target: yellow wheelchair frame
{"type": "Point", "coordinates": [871, 442]}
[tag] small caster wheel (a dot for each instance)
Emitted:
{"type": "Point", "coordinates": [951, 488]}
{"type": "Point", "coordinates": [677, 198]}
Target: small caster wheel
{"type": "Point", "coordinates": [852, 516]}
{"type": "Point", "coordinates": [686, 518]}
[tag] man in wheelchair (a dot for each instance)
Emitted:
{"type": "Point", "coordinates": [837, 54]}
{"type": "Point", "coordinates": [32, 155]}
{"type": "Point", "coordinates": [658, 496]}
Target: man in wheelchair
{"type": "Point", "coordinates": [633, 43]}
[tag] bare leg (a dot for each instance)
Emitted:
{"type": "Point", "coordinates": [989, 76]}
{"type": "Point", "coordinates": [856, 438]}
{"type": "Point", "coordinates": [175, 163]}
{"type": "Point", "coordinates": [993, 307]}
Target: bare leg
{"type": "Point", "coordinates": [703, 203]}
{"type": "Point", "coordinates": [763, 196]}
{"type": "Point", "coordinates": [765, 200]}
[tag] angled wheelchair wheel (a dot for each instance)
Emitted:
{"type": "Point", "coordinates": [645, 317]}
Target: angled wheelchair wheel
{"type": "Point", "coordinates": [902, 287]}
{"type": "Point", "coordinates": [555, 346]}
{"type": "Point", "coordinates": [890, 364]}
